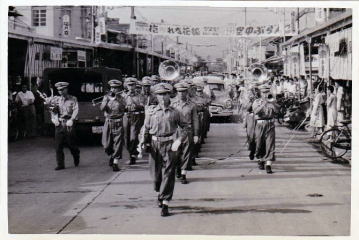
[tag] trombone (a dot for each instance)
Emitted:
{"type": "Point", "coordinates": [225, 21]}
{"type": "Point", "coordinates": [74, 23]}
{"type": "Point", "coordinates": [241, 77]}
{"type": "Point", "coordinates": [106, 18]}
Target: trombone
{"type": "Point", "coordinates": [99, 100]}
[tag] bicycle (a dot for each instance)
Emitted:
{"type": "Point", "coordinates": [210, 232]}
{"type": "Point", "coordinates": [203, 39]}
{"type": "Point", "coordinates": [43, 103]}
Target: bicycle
{"type": "Point", "coordinates": [336, 142]}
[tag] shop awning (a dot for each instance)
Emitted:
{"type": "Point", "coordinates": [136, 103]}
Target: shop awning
{"type": "Point", "coordinates": [345, 18]}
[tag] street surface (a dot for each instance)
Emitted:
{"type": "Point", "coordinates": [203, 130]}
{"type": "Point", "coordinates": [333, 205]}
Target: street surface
{"type": "Point", "coordinates": [227, 193]}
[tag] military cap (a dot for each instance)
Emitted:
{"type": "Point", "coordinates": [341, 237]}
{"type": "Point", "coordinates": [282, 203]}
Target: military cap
{"type": "Point", "coordinates": [146, 78]}
{"type": "Point", "coordinates": [154, 78]}
{"type": "Point", "coordinates": [146, 82]}
{"type": "Point", "coordinates": [199, 86]}
{"type": "Point", "coordinates": [181, 86]}
{"type": "Point", "coordinates": [162, 88]}
{"type": "Point", "coordinates": [130, 81]}
{"type": "Point", "coordinates": [61, 85]}
{"type": "Point", "coordinates": [189, 82]}
{"type": "Point", "coordinates": [264, 88]}
{"type": "Point", "coordinates": [115, 83]}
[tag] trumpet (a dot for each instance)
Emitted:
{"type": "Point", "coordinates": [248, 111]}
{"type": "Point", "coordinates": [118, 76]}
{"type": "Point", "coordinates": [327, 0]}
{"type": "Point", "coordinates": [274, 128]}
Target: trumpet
{"type": "Point", "coordinates": [99, 100]}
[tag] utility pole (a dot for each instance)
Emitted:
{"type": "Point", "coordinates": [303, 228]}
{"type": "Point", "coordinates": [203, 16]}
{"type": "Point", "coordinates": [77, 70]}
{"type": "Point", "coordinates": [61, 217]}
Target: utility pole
{"type": "Point", "coordinates": [134, 44]}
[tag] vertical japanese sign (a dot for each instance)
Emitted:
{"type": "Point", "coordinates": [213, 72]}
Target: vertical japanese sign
{"type": "Point", "coordinates": [66, 25]}
{"type": "Point", "coordinates": [97, 35]}
{"type": "Point", "coordinates": [102, 25]}
{"type": "Point", "coordinates": [323, 68]}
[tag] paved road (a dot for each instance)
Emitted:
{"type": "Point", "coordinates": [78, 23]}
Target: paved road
{"type": "Point", "coordinates": [227, 194]}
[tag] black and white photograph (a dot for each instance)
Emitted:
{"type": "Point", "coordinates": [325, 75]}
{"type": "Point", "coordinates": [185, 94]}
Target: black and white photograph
{"type": "Point", "coordinates": [178, 118]}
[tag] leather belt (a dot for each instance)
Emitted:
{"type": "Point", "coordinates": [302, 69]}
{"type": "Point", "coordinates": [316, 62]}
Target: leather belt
{"type": "Point", "coordinates": [265, 120]}
{"type": "Point", "coordinates": [163, 139]}
{"type": "Point", "coordinates": [114, 119]}
{"type": "Point", "coordinates": [136, 113]}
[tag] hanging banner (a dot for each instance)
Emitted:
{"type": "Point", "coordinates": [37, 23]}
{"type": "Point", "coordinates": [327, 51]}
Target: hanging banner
{"type": "Point", "coordinates": [55, 53]}
{"type": "Point", "coordinates": [102, 25]}
{"type": "Point", "coordinates": [66, 25]}
{"type": "Point", "coordinates": [323, 69]}
{"type": "Point", "coordinates": [295, 65]}
{"type": "Point", "coordinates": [269, 30]}
{"type": "Point", "coordinates": [97, 35]}
{"type": "Point", "coordinates": [302, 60]}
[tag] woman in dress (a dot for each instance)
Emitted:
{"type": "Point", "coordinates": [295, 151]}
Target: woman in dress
{"type": "Point", "coordinates": [317, 115]}
{"type": "Point", "coordinates": [332, 112]}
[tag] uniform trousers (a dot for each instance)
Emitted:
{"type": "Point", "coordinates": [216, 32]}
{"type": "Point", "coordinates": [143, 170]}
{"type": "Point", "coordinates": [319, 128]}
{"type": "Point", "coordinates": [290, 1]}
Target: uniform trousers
{"type": "Point", "coordinates": [250, 130]}
{"type": "Point", "coordinates": [65, 136]}
{"type": "Point", "coordinates": [132, 124]}
{"type": "Point", "coordinates": [265, 140]}
{"type": "Point", "coordinates": [162, 168]}
{"type": "Point", "coordinates": [112, 137]}
{"type": "Point", "coordinates": [185, 152]}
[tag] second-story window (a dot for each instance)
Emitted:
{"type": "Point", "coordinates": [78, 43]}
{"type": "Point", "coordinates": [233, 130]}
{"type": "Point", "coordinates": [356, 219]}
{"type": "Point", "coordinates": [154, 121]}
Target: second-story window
{"type": "Point", "coordinates": [39, 16]}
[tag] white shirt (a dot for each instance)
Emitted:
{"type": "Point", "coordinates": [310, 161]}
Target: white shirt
{"type": "Point", "coordinates": [26, 98]}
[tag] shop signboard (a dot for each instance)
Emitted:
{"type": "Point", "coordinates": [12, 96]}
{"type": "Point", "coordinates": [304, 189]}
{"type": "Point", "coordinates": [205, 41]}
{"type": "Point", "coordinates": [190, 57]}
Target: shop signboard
{"type": "Point", "coordinates": [55, 53]}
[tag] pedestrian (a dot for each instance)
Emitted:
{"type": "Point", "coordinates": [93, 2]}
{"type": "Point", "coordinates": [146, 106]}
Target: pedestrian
{"type": "Point", "coordinates": [161, 124]}
{"type": "Point", "coordinates": [25, 99]}
{"type": "Point", "coordinates": [332, 112]}
{"type": "Point", "coordinates": [134, 118]}
{"type": "Point", "coordinates": [249, 125]}
{"type": "Point", "coordinates": [317, 114]}
{"type": "Point", "coordinates": [203, 102]}
{"type": "Point", "coordinates": [189, 115]}
{"type": "Point", "coordinates": [264, 111]}
{"type": "Point", "coordinates": [340, 100]}
{"type": "Point", "coordinates": [64, 117]}
{"type": "Point", "coordinates": [113, 105]}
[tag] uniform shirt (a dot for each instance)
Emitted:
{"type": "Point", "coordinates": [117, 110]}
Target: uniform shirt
{"type": "Point", "coordinates": [263, 109]}
{"type": "Point", "coordinates": [114, 108]}
{"type": "Point", "coordinates": [188, 113]}
{"type": "Point", "coordinates": [26, 98]}
{"type": "Point", "coordinates": [134, 102]}
{"type": "Point", "coordinates": [149, 99]}
{"type": "Point", "coordinates": [163, 122]}
{"type": "Point", "coordinates": [202, 101]}
{"type": "Point", "coordinates": [68, 107]}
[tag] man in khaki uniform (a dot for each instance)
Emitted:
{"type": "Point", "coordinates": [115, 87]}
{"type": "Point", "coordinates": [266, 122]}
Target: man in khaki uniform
{"type": "Point", "coordinates": [113, 106]}
{"type": "Point", "coordinates": [188, 112]}
{"type": "Point", "coordinates": [264, 111]}
{"type": "Point", "coordinates": [161, 124]}
{"type": "Point", "coordinates": [64, 117]}
{"type": "Point", "coordinates": [134, 117]}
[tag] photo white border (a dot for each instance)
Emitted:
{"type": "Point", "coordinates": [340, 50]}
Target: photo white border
{"type": "Point", "coordinates": [3, 107]}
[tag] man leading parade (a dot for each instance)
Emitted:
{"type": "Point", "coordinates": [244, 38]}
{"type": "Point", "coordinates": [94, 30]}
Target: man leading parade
{"type": "Point", "coordinates": [160, 128]}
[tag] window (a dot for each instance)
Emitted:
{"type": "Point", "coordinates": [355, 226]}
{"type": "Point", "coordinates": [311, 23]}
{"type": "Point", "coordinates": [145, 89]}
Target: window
{"type": "Point", "coordinates": [39, 17]}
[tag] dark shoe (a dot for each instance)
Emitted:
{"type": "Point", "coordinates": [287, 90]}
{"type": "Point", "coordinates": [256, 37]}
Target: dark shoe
{"type": "Point", "coordinates": [159, 203]}
{"type": "Point", "coordinates": [132, 160]}
{"type": "Point", "coordinates": [77, 161]}
{"type": "Point", "coordinates": [115, 168]}
{"type": "Point", "coordinates": [178, 174]}
{"type": "Point", "coordinates": [183, 179]}
{"type": "Point", "coordinates": [59, 168]}
{"type": "Point", "coordinates": [164, 212]}
{"type": "Point", "coordinates": [110, 162]}
{"type": "Point", "coordinates": [261, 165]}
{"type": "Point", "coordinates": [251, 156]}
{"type": "Point", "coordinates": [269, 169]}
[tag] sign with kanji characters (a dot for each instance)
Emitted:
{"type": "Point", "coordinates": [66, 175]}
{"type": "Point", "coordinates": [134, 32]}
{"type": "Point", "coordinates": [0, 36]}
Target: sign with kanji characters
{"type": "Point", "coordinates": [97, 35]}
{"type": "Point", "coordinates": [140, 27]}
{"type": "Point", "coordinates": [66, 25]}
{"type": "Point", "coordinates": [55, 53]}
{"type": "Point", "coordinates": [81, 56]}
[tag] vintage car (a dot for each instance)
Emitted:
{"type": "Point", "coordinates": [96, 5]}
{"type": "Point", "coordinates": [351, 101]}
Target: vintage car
{"type": "Point", "coordinates": [221, 105]}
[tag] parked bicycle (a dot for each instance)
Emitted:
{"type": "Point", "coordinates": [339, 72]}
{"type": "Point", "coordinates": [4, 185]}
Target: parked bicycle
{"type": "Point", "coordinates": [336, 142]}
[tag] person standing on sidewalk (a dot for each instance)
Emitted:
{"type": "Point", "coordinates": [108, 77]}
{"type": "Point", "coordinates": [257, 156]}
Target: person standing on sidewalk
{"type": "Point", "coordinates": [188, 112]}
{"type": "Point", "coordinates": [113, 106]}
{"type": "Point", "coordinates": [161, 124]}
{"type": "Point", "coordinates": [64, 118]}
{"type": "Point", "coordinates": [25, 99]}
{"type": "Point", "coordinates": [264, 111]}
{"type": "Point", "coordinates": [134, 119]}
